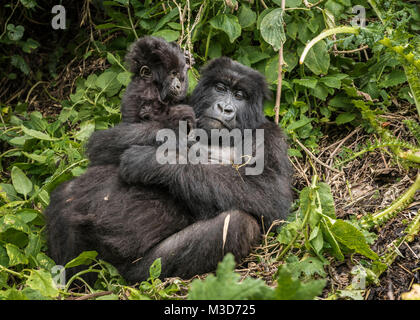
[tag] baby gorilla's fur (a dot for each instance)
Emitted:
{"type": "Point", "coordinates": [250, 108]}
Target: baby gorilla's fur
{"type": "Point", "coordinates": [159, 82]}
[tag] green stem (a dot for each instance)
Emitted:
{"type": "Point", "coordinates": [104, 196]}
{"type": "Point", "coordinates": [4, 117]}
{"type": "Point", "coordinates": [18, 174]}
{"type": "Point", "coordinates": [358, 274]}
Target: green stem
{"type": "Point", "coordinates": [208, 43]}
{"type": "Point", "coordinates": [398, 205]}
{"type": "Point", "coordinates": [323, 35]}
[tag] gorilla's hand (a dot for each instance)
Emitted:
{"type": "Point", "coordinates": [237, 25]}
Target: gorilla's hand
{"type": "Point", "coordinates": [181, 112]}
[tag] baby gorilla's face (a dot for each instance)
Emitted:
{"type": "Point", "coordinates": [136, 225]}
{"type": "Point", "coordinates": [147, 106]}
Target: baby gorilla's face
{"type": "Point", "coordinates": [175, 84]}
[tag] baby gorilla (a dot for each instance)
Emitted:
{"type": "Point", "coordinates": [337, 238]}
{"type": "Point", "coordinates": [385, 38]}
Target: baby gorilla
{"type": "Point", "coordinates": [159, 82]}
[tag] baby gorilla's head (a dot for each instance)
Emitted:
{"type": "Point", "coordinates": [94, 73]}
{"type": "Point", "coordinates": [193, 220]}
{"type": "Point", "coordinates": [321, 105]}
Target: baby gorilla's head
{"type": "Point", "coordinates": [162, 64]}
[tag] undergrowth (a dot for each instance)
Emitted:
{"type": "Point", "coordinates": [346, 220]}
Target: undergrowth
{"type": "Point", "coordinates": [53, 98]}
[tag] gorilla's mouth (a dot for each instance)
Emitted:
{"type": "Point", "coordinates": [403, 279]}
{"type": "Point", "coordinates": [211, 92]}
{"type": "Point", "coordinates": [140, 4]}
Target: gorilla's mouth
{"type": "Point", "coordinates": [210, 120]}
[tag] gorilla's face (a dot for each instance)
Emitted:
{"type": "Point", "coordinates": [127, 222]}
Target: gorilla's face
{"type": "Point", "coordinates": [174, 84]}
{"type": "Point", "coordinates": [229, 95]}
{"type": "Point", "coordinates": [227, 103]}
{"type": "Point", "coordinates": [162, 64]}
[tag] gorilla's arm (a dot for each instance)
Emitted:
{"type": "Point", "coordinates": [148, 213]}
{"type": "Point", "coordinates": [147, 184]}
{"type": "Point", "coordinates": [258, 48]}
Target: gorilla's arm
{"type": "Point", "coordinates": [106, 146]}
{"type": "Point", "coordinates": [211, 189]}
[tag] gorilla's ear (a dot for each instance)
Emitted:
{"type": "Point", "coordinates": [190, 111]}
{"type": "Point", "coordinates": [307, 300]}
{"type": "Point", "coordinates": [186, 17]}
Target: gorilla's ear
{"type": "Point", "coordinates": [137, 53]}
{"type": "Point", "coordinates": [143, 52]}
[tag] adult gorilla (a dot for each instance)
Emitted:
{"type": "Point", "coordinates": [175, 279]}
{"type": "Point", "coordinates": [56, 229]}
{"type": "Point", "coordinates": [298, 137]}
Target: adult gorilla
{"type": "Point", "coordinates": [179, 212]}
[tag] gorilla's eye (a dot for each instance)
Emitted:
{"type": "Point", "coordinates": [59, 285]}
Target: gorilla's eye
{"type": "Point", "coordinates": [145, 72]}
{"type": "Point", "coordinates": [239, 95]}
{"type": "Point", "coordinates": [174, 73]}
{"type": "Point", "coordinates": [220, 87]}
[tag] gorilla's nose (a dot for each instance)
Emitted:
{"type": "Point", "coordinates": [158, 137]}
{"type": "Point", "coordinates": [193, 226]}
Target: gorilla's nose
{"type": "Point", "coordinates": [225, 110]}
{"type": "Point", "coordinates": [176, 85]}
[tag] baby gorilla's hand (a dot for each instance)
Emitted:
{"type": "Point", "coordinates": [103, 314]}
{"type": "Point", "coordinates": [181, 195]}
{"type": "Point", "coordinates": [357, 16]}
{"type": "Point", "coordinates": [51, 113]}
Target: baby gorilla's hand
{"type": "Point", "coordinates": [181, 112]}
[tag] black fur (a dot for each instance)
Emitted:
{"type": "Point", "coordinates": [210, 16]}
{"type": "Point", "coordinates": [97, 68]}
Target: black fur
{"type": "Point", "coordinates": [176, 212]}
{"type": "Point", "coordinates": [147, 102]}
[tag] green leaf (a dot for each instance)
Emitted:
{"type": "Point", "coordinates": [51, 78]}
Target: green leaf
{"type": "Point", "coordinates": [331, 81]}
{"type": "Point", "coordinates": [11, 221]}
{"type": "Point", "coordinates": [329, 237]}
{"type": "Point", "coordinates": [166, 18]}
{"type": "Point", "coordinates": [289, 288]}
{"type": "Point", "coordinates": [20, 181]}
{"type": "Point", "coordinates": [37, 134]}
{"type": "Point", "coordinates": [34, 245]}
{"type": "Point", "coordinates": [43, 282]}
{"type": "Point", "coordinates": [108, 82]}
{"type": "Point", "coordinates": [30, 45]}
{"type": "Point", "coordinates": [272, 29]}
{"type": "Point", "coordinates": [85, 258]}
{"type": "Point", "coordinates": [34, 156]}
{"type": "Point", "coordinates": [396, 77]}
{"type": "Point", "coordinates": [155, 269]}
{"type": "Point", "coordinates": [226, 286]}
{"type": "Point", "coordinates": [15, 33]}
{"type": "Point", "coordinates": [246, 16]}
{"type": "Point", "coordinates": [27, 215]}
{"type": "Point", "coordinates": [167, 34]}
{"type": "Point", "coordinates": [345, 117]}
{"type": "Point", "coordinates": [308, 266]}
{"type": "Point", "coordinates": [352, 238]}
{"type": "Point", "coordinates": [16, 256]}
{"type": "Point", "coordinates": [18, 62]}
{"type": "Point", "coordinates": [86, 129]}
{"type": "Point", "coordinates": [28, 3]}
{"type": "Point", "coordinates": [309, 82]}
{"type": "Point", "coordinates": [124, 78]}
{"type": "Point", "coordinates": [327, 200]}
{"type": "Point", "coordinates": [298, 124]}
{"type": "Point", "coordinates": [318, 58]}
{"type": "Point", "coordinates": [13, 294]}
{"type": "Point", "coordinates": [227, 23]}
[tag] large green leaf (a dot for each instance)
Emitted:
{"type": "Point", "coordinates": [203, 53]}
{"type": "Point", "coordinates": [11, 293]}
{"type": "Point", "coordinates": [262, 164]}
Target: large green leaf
{"type": "Point", "coordinates": [42, 281]}
{"type": "Point", "coordinates": [167, 34]}
{"type": "Point", "coordinates": [352, 238]}
{"type": "Point", "coordinates": [11, 221]}
{"type": "Point", "coordinates": [246, 16]}
{"type": "Point", "coordinates": [289, 288]}
{"type": "Point", "coordinates": [227, 23]}
{"type": "Point", "coordinates": [318, 58]}
{"type": "Point", "coordinates": [272, 29]}
{"type": "Point", "coordinates": [20, 181]}
{"type": "Point", "coordinates": [37, 134]}
{"type": "Point", "coordinates": [226, 286]}
{"type": "Point", "coordinates": [85, 258]}
{"type": "Point", "coordinates": [16, 256]}
{"type": "Point", "coordinates": [108, 82]}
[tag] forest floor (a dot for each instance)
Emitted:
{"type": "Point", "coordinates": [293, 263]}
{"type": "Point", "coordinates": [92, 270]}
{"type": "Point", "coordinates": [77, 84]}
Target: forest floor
{"type": "Point", "coordinates": [366, 184]}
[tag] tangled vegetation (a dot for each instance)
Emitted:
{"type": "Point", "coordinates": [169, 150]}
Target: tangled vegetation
{"type": "Point", "coordinates": [349, 102]}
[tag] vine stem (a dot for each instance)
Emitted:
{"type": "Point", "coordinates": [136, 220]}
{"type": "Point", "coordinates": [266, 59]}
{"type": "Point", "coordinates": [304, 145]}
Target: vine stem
{"type": "Point", "coordinates": [323, 35]}
{"type": "Point", "coordinates": [280, 74]}
{"type": "Point", "coordinates": [396, 206]}
{"type": "Point", "coordinates": [131, 22]}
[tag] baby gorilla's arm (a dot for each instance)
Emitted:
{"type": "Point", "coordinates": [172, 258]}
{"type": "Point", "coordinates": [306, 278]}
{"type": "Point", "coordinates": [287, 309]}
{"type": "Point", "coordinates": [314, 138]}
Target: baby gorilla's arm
{"type": "Point", "coordinates": [106, 146]}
